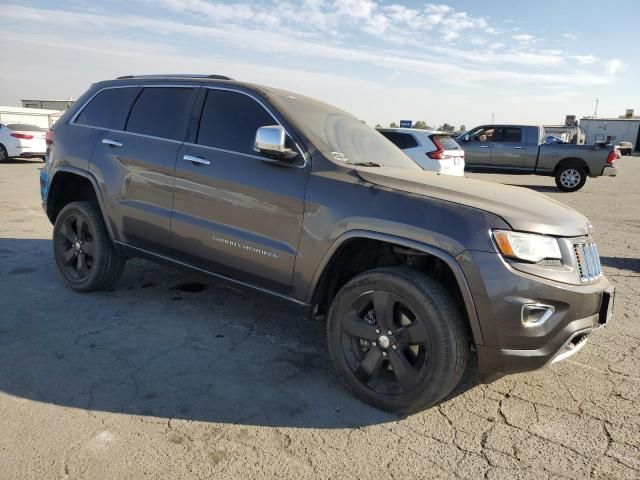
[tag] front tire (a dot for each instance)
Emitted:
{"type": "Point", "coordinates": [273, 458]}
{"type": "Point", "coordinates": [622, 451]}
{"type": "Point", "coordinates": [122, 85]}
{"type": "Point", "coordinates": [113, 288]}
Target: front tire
{"type": "Point", "coordinates": [85, 256]}
{"type": "Point", "coordinates": [397, 339]}
{"type": "Point", "coordinates": [570, 178]}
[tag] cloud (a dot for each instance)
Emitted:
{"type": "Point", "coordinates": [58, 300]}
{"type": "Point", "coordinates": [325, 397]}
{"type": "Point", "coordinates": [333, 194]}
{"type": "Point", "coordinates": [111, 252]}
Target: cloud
{"type": "Point", "coordinates": [613, 66]}
{"type": "Point", "coordinates": [570, 36]}
{"type": "Point", "coordinates": [524, 38]}
{"type": "Point", "coordinates": [221, 29]}
{"type": "Point", "coordinates": [585, 59]}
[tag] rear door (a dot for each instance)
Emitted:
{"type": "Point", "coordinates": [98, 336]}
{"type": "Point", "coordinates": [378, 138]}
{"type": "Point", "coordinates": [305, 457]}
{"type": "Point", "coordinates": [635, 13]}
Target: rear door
{"type": "Point", "coordinates": [477, 151]}
{"type": "Point", "coordinates": [508, 147]}
{"type": "Point", "coordinates": [236, 212]}
{"type": "Point", "coordinates": [136, 163]}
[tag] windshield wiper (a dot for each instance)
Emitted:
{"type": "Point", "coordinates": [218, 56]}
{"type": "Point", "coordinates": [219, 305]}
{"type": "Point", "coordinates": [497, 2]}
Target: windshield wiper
{"type": "Point", "coordinates": [364, 164]}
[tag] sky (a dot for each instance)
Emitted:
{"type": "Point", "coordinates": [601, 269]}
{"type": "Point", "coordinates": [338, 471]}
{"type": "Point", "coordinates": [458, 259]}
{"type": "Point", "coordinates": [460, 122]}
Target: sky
{"type": "Point", "coordinates": [458, 62]}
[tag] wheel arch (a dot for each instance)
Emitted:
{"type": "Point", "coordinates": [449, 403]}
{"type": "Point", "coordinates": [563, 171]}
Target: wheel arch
{"type": "Point", "coordinates": [572, 161]}
{"type": "Point", "coordinates": [70, 184]}
{"type": "Point", "coordinates": [321, 281]}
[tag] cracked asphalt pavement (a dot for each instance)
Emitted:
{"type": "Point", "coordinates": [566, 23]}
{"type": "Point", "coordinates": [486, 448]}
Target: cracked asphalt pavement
{"type": "Point", "coordinates": [170, 375]}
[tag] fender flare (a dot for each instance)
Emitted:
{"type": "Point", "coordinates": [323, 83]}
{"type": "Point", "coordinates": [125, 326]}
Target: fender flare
{"type": "Point", "coordinates": [446, 257]}
{"type": "Point", "coordinates": [89, 176]}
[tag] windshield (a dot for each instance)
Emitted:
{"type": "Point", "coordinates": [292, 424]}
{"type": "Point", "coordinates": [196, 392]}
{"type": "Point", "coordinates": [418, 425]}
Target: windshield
{"type": "Point", "coordinates": [341, 136]}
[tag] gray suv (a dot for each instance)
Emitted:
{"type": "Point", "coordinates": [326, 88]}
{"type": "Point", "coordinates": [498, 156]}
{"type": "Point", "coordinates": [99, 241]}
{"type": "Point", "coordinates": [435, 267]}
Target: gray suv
{"type": "Point", "coordinates": [292, 197]}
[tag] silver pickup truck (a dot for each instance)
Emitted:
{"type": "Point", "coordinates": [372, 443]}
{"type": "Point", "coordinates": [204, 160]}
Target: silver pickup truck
{"type": "Point", "coordinates": [521, 149]}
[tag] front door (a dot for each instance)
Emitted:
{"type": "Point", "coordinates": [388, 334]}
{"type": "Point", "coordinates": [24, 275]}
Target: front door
{"type": "Point", "coordinates": [477, 150]}
{"type": "Point", "coordinates": [236, 212]}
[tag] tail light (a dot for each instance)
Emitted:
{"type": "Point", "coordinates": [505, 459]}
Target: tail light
{"type": "Point", "coordinates": [22, 136]}
{"type": "Point", "coordinates": [48, 137]}
{"type": "Point", "coordinates": [436, 154]}
{"type": "Point", "coordinates": [612, 156]}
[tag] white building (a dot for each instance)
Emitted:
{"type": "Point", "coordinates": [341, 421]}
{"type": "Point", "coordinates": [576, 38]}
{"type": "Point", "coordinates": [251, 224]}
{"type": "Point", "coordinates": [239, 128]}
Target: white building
{"type": "Point", "coordinates": [61, 105]}
{"type": "Point", "coordinates": [622, 129]}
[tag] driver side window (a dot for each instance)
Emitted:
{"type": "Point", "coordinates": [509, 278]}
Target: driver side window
{"type": "Point", "coordinates": [484, 134]}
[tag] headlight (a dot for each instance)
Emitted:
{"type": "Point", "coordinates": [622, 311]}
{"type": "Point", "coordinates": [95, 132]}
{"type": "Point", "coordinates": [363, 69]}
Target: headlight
{"type": "Point", "coordinates": [526, 246]}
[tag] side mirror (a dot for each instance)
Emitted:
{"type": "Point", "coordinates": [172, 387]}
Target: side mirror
{"type": "Point", "coordinates": [270, 140]}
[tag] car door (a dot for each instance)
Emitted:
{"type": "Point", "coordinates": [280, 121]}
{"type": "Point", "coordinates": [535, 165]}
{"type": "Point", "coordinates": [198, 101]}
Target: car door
{"type": "Point", "coordinates": [508, 147]}
{"type": "Point", "coordinates": [136, 163]}
{"type": "Point", "coordinates": [236, 212]}
{"type": "Point", "coordinates": [477, 150]}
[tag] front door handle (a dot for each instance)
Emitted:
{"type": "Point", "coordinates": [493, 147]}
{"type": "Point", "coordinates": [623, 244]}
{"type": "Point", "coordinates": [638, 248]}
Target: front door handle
{"type": "Point", "coordinates": [193, 159]}
{"type": "Point", "coordinates": [518, 148]}
{"type": "Point", "coordinates": [484, 146]}
{"type": "Point", "coordinates": [111, 143]}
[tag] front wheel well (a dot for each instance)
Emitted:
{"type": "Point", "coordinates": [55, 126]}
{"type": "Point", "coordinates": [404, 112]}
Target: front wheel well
{"type": "Point", "coordinates": [358, 255]}
{"type": "Point", "coordinates": [67, 187]}
{"type": "Point", "coordinates": [574, 162]}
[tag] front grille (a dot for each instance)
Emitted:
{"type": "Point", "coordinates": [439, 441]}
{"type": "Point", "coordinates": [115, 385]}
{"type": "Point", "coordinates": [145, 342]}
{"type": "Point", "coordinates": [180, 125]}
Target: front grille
{"type": "Point", "coordinates": [588, 261]}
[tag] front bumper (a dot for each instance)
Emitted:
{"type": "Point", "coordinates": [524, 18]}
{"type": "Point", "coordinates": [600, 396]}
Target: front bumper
{"type": "Point", "coordinates": [509, 345]}
{"type": "Point", "coordinates": [609, 171]}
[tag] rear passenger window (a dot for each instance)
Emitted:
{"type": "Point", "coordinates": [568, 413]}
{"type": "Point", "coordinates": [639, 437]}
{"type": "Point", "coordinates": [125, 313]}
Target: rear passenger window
{"type": "Point", "coordinates": [508, 134]}
{"type": "Point", "coordinates": [162, 112]}
{"type": "Point", "coordinates": [401, 140]}
{"type": "Point", "coordinates": [230, 120]}
{"type": "Point", "coordinates": [108, 109]}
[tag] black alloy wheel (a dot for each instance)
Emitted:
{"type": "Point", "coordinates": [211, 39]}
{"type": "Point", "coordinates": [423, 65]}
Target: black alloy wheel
{"type": "Point", "coordinates": [397, 339]}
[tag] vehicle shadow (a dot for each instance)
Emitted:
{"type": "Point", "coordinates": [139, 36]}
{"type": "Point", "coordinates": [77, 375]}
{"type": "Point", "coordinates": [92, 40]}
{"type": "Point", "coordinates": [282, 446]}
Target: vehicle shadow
{"type": "Point", "coordinates": [170, 344]}
{"type": "Point", "coordinates": [622, 263]}
{"type": "Point", "coordinates": [24, 160]}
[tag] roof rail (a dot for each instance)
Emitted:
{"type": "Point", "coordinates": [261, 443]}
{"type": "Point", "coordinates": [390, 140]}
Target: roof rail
{"type": "Point", "coordinates": [174, 75]}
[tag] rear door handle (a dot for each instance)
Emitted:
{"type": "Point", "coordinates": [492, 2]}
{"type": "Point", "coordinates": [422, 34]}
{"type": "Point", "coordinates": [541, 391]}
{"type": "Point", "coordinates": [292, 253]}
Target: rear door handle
{"type": "Point", "coordinates": [518, 148]}
{"type": "Point", "coordinates": [193, 159]}
{"type": "Point", "coordinates": [112, 143]}
{"type": "Point", "coordinates": [484, 146]}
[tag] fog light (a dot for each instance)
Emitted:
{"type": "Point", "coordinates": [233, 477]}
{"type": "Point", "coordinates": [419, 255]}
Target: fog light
{"type": "Point", "coordinates": [535, 314]}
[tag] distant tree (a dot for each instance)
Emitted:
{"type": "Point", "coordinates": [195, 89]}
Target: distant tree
{"type": "Point", "coordinates": [393, 125]}
{"type": "Point", "coordinates": [463, 128]}
{"type": "Point", "coordinates": [421, 124]}
{"type": "Point", "coordinates": [378, 125]}
{"type": "Point", "coordinates": [445, 127]}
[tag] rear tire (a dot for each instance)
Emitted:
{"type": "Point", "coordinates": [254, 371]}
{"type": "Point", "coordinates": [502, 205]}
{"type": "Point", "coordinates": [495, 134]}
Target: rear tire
{"type": "Point", "coordinates": [4, 156]}
{"type": "Point", "coordinates": [397, 339]}
{"type": "Point", "coordinates": [570, 178]}
{"type": "Point", "coordinates": [85, 256]}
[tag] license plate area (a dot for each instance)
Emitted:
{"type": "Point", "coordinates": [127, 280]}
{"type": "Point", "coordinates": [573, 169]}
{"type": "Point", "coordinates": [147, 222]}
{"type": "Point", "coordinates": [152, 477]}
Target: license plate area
{"type": "Point", "coordinates": [606, 307]}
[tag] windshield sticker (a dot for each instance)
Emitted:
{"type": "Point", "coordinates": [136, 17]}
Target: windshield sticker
{"type": "Point", "coordinates": [341, 157]}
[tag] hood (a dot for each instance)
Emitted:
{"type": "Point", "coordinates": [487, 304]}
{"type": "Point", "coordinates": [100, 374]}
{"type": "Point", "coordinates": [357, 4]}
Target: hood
{"type": "Point", "coordinates": [522, 208]}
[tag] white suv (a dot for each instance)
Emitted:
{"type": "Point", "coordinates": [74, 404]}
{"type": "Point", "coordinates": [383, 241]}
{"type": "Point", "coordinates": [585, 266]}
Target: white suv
{"type": "Point", "coordinates": [432, 150]}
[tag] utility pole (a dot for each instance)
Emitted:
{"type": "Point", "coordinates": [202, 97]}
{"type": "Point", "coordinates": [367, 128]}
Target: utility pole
{"type": "Point", "coordinates": [493, 118]}
{"type": "Point", "coordinates": [595, 113]}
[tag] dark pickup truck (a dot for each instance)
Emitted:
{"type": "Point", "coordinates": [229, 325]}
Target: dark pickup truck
{"type": "Point", "coordinates": [281, 194]}
{"type": "Point", "coordinates": [521, 149]}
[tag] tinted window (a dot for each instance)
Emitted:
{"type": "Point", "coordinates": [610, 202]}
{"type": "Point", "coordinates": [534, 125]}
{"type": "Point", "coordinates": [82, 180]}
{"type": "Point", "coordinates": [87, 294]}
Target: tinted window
{"type": "Point", "coordinates": [162, 112]}
{"type": "Point", "coordinates": [508, 134]}
{"type": "Point", "coordinates": [401, 140]}
{"type": "Point", "coordinates": [446, 141]}
{"type": "Point", "coordinates": [109, 108]}
{"type": "Point", "coordinates": [230, 120]}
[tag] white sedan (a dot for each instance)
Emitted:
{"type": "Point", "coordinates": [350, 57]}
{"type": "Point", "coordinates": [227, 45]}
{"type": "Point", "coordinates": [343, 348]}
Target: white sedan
{"type": "Point", "coordinates": [20, 140]}
{"type": "Point", "coordinates": [432, 150]}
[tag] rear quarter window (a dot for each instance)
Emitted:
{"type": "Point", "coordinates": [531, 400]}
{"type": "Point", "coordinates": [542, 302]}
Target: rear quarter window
{"type": "Point", "coordinates": [108, 109]}
{"type": "Point", "coordinates": [401, 140]}
{"type": "Point", "coordinates": [162, 112]}
{"type": "Point", "coordinates": [447, 142]}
